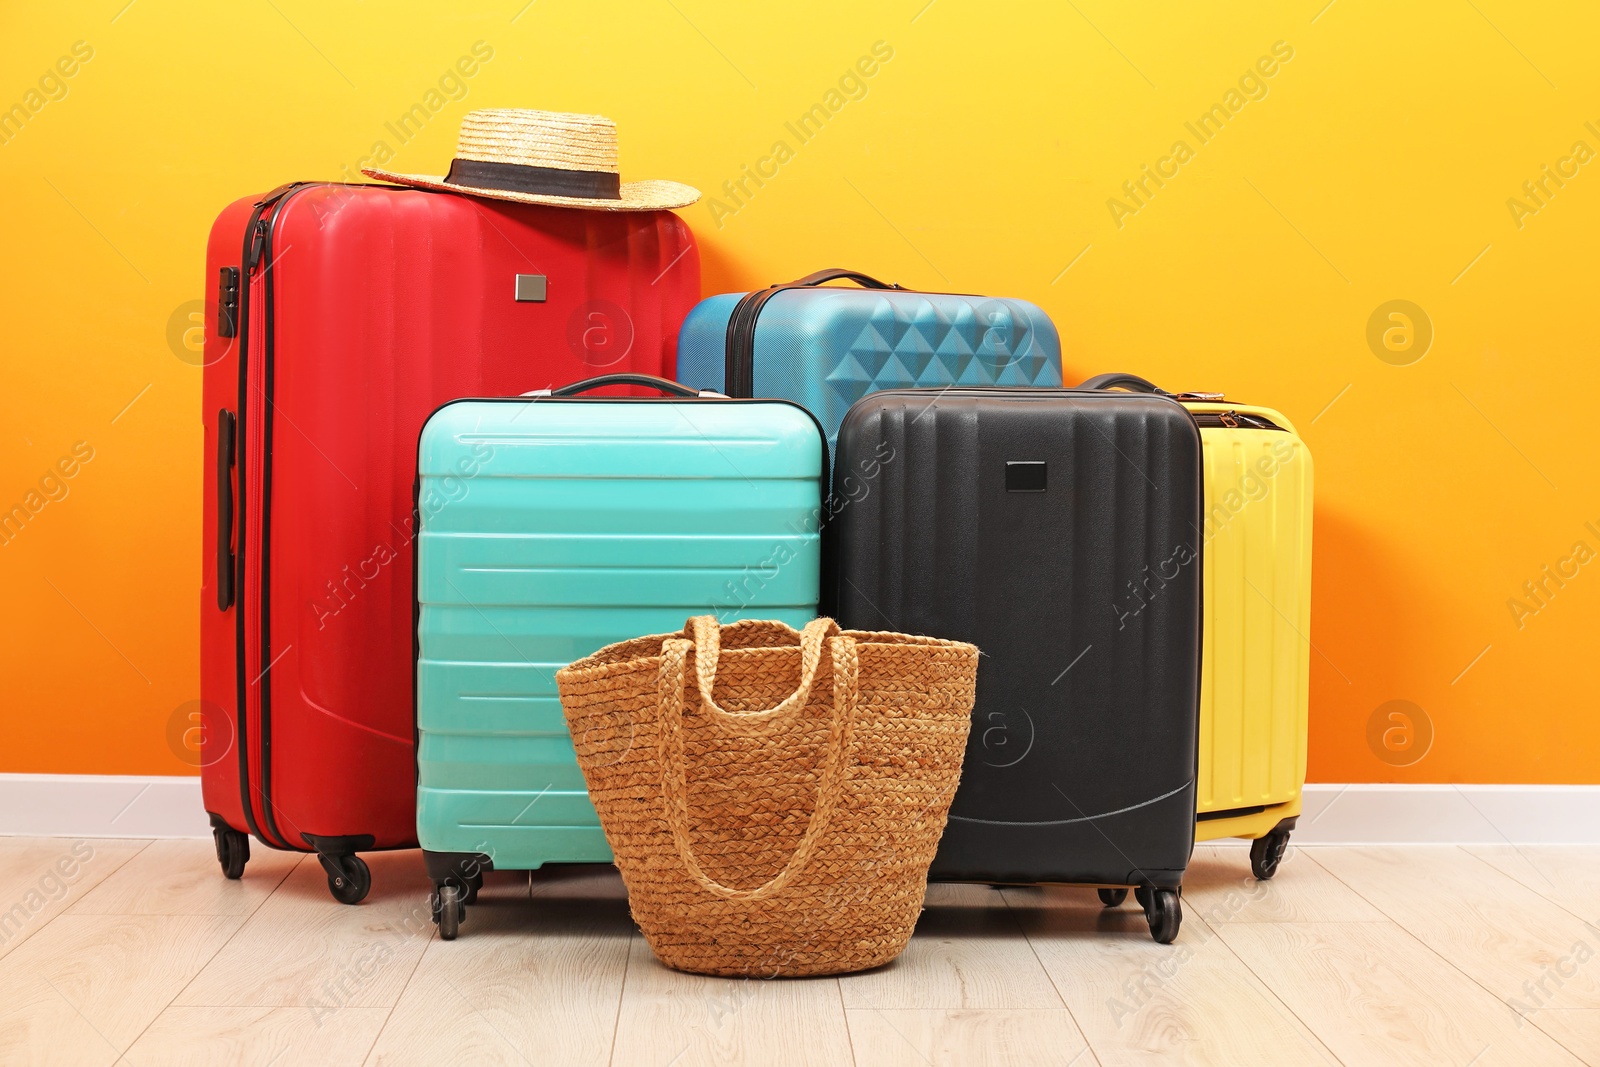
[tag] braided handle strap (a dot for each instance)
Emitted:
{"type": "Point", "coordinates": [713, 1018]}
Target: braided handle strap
{"type": "Point", "coordinates": [674, 668]}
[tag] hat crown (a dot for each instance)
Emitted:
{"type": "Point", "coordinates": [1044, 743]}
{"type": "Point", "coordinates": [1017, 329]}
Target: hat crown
{"type": "Point", "coordinates": [558, 140]}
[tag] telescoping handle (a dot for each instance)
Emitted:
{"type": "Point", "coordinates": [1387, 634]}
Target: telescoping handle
{"type": "Point", "coordinates": [646, 381]}
{"type": "Point", "coordinates": [834, 274]}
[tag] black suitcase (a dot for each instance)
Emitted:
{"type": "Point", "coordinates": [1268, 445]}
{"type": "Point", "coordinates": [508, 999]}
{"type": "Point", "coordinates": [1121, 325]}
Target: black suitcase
{"type": "Point", "coordinates": [1060, 531]}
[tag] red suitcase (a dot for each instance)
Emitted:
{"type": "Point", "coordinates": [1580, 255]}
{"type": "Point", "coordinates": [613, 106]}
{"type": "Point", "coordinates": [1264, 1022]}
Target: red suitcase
{"type": "Point", "coordinates": [343, 315]}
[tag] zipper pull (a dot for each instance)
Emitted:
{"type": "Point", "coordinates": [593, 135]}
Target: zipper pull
{"type": "Point", "coordinates": [257, 243]}
{"type": "Point", "coordinates": [1229, 419]}
{"type": "Point", "coordinates": [1200, 398]}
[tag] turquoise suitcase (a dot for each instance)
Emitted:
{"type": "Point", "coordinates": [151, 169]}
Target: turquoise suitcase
{"type": "Point", "coordinates": [828, 347]}
{"type": "Point", "coordinates": [550, 526]}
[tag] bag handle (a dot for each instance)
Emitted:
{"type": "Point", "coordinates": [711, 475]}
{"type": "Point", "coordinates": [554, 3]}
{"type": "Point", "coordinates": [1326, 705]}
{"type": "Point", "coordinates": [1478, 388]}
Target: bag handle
{"type": "Point", "coordinates": [834, 274]}
{"type": "Point", "coordinates": [1122, 380]}
{"type": "Point", "coordinates": [670, 683]}
{"type": "Point", "coordinates": [738, 370]}
{"type": "Point", "coordinates": [708, 648]}
{"type": "Point", "coordinates": [647, 381]}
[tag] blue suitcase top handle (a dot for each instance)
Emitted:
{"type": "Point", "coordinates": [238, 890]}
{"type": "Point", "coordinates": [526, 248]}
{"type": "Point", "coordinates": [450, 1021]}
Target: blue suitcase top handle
{"type": "Point", "coordinates": [739, 374]}
{"type": "Point", "coordinates": [834, 274]}
{"type": "Point", "coordinates": [646, 381]}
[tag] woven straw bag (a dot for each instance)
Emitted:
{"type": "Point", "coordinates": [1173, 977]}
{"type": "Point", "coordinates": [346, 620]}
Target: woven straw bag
{"type": "Point", "coordinates": [765, 828]}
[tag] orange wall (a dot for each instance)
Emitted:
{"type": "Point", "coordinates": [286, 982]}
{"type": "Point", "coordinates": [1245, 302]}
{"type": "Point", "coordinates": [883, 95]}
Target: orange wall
{"type": "Point", "coordinates": [1374, 164]}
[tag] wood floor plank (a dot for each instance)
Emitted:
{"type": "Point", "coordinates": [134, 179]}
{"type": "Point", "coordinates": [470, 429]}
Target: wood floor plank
{"type": "Point", "coordinates": [182, 878]}
{"type": "Point", "coordinates": [679, 1019]}
{"type": "Point", "coordinates": [527, 982]}
{"type": "Point", "coordinates": [1220, 889]}
{"type": "Point", "coordinates": [1526, 950]}
{"type": "Point", "coordinates": [1380, 956]}
{"type": "Point", "coordinates": [86, 983]}
{"type": "Point", "coordinates": [302, 948]}
{"type": "Point", "coordinates": [41, 877]}
{"type": "Point", "coordinates": [1137, 1002]}
{"type": "Point", "coordinates": [41, 1028]}
{"type": "Point", "coordinates": [1577, 1031]}
{"type": "Point", "coordinates": [959, 1038]}
{"type": "Point", "coordinates": [256, 1037]}
{"type": "Point", "coordinates": [967, 953]}
{"type": "Point", "coordinates": [1375, 994]}
{"type": "Point", "coordinates": [1566, 874]}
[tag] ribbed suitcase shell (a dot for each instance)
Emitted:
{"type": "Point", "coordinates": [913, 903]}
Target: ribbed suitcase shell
{"type": "Point", "coordinates": [583, 522]}
{"type": "Point", "coordinates": [826, 348]}
{"type": "Point", "coordinates": [384, 303]}
{"type": "Point", "coordinates": [1082, 759]}
{"type": "Point", "coordinates": [1256, 674]}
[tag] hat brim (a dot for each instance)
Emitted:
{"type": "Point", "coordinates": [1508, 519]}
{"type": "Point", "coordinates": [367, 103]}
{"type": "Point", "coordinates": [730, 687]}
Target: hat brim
{"type": "Point", "coordinates": [636, 196]}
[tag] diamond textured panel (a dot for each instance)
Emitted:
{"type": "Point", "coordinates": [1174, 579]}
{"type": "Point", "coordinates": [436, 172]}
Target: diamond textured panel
{"type": "Point", "coordinates": [827, 348]}
{"type": "Point", "coordinates": [935, 339]}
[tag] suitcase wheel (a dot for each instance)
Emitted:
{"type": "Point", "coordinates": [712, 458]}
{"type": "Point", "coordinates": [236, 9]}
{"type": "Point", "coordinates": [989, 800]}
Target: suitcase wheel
{"type": "Point", "coordinates": [233, 851]}
{"type": "Point", "coordinates": [1266, 853]}
{"type": "Point", "coordinates": [349, 879]}
{"type": "Point", "coordinates": [1112, 897]}
{"type": "Point", "coordinates": [449, 908]}
{"type": "Point", "coordinates": [1163, 910]}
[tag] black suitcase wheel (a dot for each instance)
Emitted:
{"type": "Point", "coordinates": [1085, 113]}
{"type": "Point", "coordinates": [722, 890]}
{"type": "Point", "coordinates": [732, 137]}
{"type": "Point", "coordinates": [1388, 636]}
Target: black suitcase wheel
{"type": "Point", "coordinates": [1164, 913]}
{"type": "Point", "coordinates": [1112, 897]}
{"type": "Point", "coordinates": [1267, 852]}
{"type": "Point", "coordinates": [233, 852]}
{"type": "Point", "coordinates": [1142, 895]}
{"type": "Point", "coordinates": [349, 879]}
{"type": "Point", "coordinates": [449, 908]}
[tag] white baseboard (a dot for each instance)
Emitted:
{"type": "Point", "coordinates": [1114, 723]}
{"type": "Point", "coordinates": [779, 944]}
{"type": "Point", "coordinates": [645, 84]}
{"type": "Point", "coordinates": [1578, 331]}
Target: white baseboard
{"type": "Point", "coordinates": [84, 805]}
{"type": "Point", "coordinates": [101, 805]}
{"type": "Point", "coordinates": [1376, 814]}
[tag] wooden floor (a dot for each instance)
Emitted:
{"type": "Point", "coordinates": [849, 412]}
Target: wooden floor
{"type": "Point", "coordinates": [143, 954]}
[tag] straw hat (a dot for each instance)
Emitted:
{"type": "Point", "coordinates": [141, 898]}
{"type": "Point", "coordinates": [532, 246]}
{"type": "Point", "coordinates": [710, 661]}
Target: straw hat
{"type": "Point", "coordinates": [543, 157]}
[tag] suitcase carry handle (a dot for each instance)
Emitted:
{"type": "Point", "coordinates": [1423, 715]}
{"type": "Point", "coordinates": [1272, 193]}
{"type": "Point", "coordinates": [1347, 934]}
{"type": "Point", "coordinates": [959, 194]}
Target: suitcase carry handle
{"type": "Point", "coordinates": [1122, 380]}
{"type": "Point", "coordinates": [226, 425]}
{"type": "Point", "coordinates": [1135, 384]}
{"type": "Point", "coordinates": [646, 381]}
{"type": "Point", "coordinates": [738, 374]}
{"type": "Point", "coordinates": [834, 274]}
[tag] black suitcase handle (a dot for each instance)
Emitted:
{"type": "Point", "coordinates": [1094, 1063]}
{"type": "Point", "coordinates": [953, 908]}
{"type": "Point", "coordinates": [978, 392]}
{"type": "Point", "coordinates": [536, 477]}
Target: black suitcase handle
{"type": "Point", "coordinates": [645, 381]}
{"type": "Point", "coordinates": [226, 425]}
{"type": "Point", "coordinates": [834, 274]}
{"type": "Point", "coordinates": [1123, 380]}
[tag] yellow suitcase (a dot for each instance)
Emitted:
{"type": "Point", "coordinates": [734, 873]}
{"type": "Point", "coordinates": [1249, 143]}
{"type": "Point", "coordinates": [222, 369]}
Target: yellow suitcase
{"type": "Point", "coordinates": [1255, 645]}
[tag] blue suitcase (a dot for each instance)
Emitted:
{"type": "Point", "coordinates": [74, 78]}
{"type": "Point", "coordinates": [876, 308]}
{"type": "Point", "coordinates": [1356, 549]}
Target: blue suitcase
{"type": "Point", "coordinates": [552, 525]}
{"type": "Point", "coordinates": [827, 348]}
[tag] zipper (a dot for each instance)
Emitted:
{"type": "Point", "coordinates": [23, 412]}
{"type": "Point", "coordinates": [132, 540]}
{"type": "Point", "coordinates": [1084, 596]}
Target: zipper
{"type": "Point", "coordinates": [738, 373]}
{"type": "Point", "coordinates": [257, 241]}
{"type": "Point", "coordinates": [1233, 420]}
{"type": "Point", "coordinates": [739, 360]}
